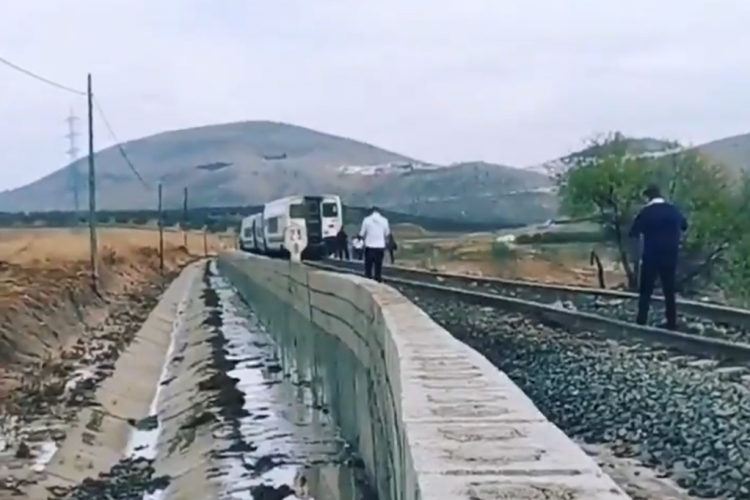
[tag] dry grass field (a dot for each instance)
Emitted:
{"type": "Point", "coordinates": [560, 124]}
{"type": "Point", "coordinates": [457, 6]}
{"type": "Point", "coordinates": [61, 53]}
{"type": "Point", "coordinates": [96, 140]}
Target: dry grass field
{"type": "Point", "coordinates": [46, 299]}
{"type": "Point", "coordinates": [478, 255]}
{"type": "Point", "coordinates": [42, 247]}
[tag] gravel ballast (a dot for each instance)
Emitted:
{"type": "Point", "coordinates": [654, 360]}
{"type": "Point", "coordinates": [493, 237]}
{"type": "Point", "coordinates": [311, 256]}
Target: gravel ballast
{"type": "Point", "coordinates": [614, 308]}
{"type": "Point", "coordinates": [688, 418]}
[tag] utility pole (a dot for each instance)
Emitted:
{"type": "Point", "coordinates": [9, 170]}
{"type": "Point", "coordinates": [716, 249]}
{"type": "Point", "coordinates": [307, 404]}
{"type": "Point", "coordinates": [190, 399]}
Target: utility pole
{"type": "Point", "coordinates": [92, 191]}
{"type": "Point", "coordinates": [75, 179]}
{"type": "Point", "coordinates": [184, 216]}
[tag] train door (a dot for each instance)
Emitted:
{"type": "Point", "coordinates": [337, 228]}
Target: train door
{"type": "Point", "coordinates": [253, 241]}
{"type": "Point", "coordinates": [313, 220]}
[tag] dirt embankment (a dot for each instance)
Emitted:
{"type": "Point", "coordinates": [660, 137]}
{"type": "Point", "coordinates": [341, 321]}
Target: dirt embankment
{"type": "Point", "coordinates": [48, 308]}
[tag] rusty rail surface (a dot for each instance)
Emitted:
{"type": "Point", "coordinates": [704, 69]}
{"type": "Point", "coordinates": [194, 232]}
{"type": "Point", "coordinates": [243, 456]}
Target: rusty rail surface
{"type": "Point", "coordinates": [574, 320]}
{"type": "Point", "coordinates": [716, 313]}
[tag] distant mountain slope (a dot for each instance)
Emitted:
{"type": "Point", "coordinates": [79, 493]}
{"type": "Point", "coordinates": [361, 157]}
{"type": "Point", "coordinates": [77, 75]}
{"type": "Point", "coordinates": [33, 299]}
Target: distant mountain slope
{"type": "Point", "coordinates": [236, 163]}
{"type": "Point", "coordinates": [475, 191]}
{"type": "Point", "coordinates": [636, 146]}
{"type": "Point", "coordinates": [252, 162]}
{"type": "Point", "coordinates": [734, 152]}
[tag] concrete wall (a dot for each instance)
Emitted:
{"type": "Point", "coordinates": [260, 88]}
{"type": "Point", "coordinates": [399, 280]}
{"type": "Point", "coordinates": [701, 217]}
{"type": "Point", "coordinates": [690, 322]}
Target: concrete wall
{"type": "Point", "coordinates": [432, 419]}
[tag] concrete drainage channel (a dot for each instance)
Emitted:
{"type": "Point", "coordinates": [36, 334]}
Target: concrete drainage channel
{"type": "Point", "coordinates": [200, 407]}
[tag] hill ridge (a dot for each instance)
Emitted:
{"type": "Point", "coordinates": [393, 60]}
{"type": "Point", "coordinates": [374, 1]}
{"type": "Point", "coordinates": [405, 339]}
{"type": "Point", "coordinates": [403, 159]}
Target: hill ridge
{"type": "Point", "coordinates": [252, 161]}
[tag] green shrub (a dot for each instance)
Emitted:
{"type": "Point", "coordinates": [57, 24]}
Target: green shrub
{"type": "Point", "coordinates": [502, 251]}
{"type": "Point", "coordinates": [140, 220]}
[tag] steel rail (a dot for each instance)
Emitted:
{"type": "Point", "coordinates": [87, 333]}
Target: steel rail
{"type": "Point", "coordinates": [575, 320]}
{"type": "Point", "coordinates": [716, 313]}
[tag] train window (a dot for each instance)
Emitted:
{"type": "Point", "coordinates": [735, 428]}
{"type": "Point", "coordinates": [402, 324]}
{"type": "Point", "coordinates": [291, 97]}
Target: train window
{"type": "Point", "coordinates": [330, 210]}
{"type": "Point", "coordinates": [273, 224]}
{"type": "Point", "coordinates": [297, 211]}
{"type": "Point", "coordinates": [248, 232]}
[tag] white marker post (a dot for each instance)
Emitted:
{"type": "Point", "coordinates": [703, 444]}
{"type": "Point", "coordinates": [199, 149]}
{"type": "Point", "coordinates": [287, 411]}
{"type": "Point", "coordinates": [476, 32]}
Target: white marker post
{"type": "Point", "coordinates": [295, 241]}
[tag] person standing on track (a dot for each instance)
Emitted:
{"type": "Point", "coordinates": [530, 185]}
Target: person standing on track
{"type": "Point", "coordinates": [374, 232]}
{"type": "Point", "coordinates": [358, 247]}
{"type": "Point", "coordinates": [392, 247]}
{"type": "Point", "coordinates": [342, 245]}
{"type": "Point", "coordinates": [661, 224]}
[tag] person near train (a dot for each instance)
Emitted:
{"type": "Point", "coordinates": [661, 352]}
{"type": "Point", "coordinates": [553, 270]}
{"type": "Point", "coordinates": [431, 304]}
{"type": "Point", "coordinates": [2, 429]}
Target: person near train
{"type": "Point", "coordinates": [392, 247]}
{"type": "Point", "coordinates": [374, 232]}
{"type": "Point", "coordinates": [342, 244]}
{"type": "Point", "coordinates": [660, 226]}
{"type": "Point", "coordinates": [358, 247]}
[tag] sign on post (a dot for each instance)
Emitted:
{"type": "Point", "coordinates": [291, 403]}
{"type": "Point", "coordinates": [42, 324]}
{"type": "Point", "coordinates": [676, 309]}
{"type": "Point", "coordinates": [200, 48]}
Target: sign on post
{"type": "Point", "coordinates": [295, 241]}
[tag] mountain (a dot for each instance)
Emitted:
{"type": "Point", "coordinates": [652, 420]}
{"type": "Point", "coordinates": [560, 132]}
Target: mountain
{"type": "Point", "coordinates": [734, 152]}
{"type": "Point", "coordinates": [635, 146]}
{"type": "Point", "coordinates": [469, 191]}
{"type": "Point", "coordinates": [231, 164]}
{"type": "Point", "coordinates": [248, 163]}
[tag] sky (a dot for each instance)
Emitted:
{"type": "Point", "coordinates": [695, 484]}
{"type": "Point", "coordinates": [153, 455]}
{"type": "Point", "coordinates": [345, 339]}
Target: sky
{"type": "Point", "coordinates": [508, 82]}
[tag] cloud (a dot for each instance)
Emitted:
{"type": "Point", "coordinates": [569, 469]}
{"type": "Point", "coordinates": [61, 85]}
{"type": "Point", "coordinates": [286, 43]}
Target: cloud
{"type": "Point", "coordinates": [509, 82]}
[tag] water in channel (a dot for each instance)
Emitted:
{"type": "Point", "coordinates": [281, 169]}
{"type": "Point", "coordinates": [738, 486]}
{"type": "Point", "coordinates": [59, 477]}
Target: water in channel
{"type": "Point", "coordinates": [282, 433]}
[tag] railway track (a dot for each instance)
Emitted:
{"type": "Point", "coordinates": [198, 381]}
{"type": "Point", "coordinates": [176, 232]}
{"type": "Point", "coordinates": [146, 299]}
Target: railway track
{"type": "Point", "coordinates": [671, 402]}
{"type": "Point", "coordinates": [699, 318]}
{"type": "Point", "coordinates": [718, 335]}
{"type": "Point", "coordinates": [677, 413]}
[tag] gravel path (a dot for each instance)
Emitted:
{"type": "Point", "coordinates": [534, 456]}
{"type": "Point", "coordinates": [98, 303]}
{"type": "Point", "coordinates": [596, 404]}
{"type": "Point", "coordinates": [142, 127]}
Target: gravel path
{"type": "Point", "coordinates": [686, 418]}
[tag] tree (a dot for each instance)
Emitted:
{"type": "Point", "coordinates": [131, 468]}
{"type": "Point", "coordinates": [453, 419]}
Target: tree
{"type": "Point", "coordinates": [607, 179]}
{"type": "Point", "coordinates": [734, 273]}
{"type": "Point", "coordinates": [140, 220]}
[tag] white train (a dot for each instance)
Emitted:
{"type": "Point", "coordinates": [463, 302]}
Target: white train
{"type": "Point", "coordinates": [321, 216]}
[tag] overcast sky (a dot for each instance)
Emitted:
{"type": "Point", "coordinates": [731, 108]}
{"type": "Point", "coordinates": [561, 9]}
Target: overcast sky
{"type": "Point", "coordinates": [507, 82]}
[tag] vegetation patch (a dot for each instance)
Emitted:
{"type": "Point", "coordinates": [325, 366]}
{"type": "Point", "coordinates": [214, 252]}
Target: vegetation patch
{"type": "Point", "coordinates": [220, 219]}
{"type": "Point", "coordinates": [606, 182]}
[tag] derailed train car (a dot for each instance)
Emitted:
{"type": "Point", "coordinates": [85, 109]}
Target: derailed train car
{"type": "Point", "coordinates": [321, 216]}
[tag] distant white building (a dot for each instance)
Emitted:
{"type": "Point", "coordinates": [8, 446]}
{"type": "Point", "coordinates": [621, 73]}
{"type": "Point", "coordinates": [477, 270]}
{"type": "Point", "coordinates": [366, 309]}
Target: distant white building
{"type": "Point", "coordinates": [386, 168]}
{"type": "Point", "coordinates": [508, 239]}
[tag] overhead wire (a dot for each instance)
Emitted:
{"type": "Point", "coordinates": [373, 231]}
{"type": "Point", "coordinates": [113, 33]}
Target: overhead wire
{"type": "Point", "coordinates": [40, 78]}
{"type": "Point", "coordinates": [97, 105]}
{"type": "Point", "coordinates": [119, 145]}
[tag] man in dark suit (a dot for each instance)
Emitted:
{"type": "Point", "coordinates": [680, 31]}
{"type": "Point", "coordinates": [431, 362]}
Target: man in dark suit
{"type": "Point", "coordinates": [661, 225]}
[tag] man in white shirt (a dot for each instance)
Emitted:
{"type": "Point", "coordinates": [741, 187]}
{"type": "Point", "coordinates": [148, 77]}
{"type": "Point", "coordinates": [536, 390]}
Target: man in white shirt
{"type": "Point", "coordinates": [374, 232]}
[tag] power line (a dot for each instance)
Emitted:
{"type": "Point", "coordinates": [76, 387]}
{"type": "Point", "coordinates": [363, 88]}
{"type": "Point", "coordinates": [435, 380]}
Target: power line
{"type": "Point", "coordinates": [99, 109]}
{"type": "Point", "coordinates": [40, 78]}
{"type": "Point", "coordinates": [121, 149]}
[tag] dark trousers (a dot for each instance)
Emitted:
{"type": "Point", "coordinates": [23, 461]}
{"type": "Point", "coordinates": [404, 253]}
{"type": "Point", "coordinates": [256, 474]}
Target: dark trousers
{"type": "Point", "coordinates": [374, 263]}
{"type": "Point", "coordinates": [342, 252]}
{"type": "Point", "coordinates": [665, 272]}
{"type": "Point", "coordinates": [391, 254]}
